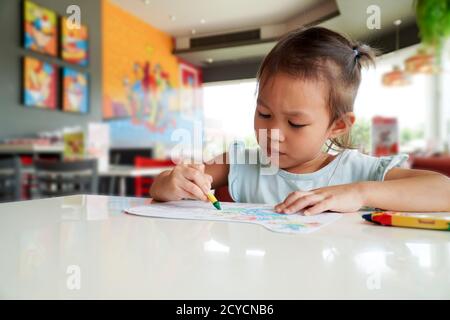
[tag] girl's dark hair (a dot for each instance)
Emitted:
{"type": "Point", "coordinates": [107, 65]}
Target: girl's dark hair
{"type": "Point", "coordinates": [321, 54]}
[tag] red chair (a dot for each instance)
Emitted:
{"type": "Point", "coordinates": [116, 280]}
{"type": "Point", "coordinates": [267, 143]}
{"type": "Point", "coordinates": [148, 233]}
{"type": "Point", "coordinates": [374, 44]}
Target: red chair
{"type": "Point", "coordinates": [27, 179]}
{"type": "Point", "coordinates": [439, 164]}
{"type": "Point", "coordinates": [142, 184]}
{"type": "Point", "coordinates": [223, 195]}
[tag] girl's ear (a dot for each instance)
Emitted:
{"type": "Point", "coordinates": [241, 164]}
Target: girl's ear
{"type": "Point", "coordinates": [342, 125]}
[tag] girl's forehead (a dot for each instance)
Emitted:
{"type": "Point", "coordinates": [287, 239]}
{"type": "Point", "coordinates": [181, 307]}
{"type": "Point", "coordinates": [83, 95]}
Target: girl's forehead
{"type": "Point", "coordinates": [288, 81]}
{"type": "Point", "coordinates": [292, 94]}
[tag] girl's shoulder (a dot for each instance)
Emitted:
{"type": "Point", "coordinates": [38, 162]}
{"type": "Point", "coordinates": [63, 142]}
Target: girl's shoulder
{"type": "Point", "coordinates": [369, 167]}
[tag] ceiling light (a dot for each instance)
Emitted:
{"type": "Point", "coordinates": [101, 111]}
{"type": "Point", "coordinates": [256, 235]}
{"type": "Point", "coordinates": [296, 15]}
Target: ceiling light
{"type": "Point", "coordinates": [421, 62]}
{"type": "Point", "coordinates": [146, 2]}
{"type": "Point", "coordinates": [202, 21]}
{"type": "Point", "coordinates": [210, 60]}
{"type": "Point", "coordinates": [194, 31]}
{"type": "Point", "coordinates": [397, 76]}
{"type": "Point", "coordinates": [172, 17]}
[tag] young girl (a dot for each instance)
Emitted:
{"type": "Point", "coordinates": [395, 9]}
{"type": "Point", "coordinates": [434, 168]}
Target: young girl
{"type": "Point", "coordinates": [307, 86]}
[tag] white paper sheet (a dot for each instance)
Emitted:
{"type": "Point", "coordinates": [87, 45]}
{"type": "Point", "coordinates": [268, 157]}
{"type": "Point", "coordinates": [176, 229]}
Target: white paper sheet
{"type": "Point", "coordinates": [261, 214]}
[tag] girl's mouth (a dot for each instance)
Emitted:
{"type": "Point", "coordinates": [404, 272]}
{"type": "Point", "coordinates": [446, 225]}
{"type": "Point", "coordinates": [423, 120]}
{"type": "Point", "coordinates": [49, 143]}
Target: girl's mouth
{"type": "Point", "coordinates": [274, 152]}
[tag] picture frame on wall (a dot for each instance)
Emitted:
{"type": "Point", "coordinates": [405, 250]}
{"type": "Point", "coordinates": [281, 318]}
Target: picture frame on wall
{"type": "Point", "coordinates": [40, 29]}
{"type": "Point", "coordinates": [74, 43]}
{"type": "Point", "coordinates": [39, 84]}
{"type": "Point", "coordinates": [75, 91]}
{"type": "Point", "coordinates": [190, 87]}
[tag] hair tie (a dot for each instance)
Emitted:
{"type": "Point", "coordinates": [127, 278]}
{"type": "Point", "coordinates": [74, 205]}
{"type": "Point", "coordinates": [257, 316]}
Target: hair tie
{"type": "Point", "coordinates": [356, 52]}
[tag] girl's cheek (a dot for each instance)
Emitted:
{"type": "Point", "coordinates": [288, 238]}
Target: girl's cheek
{"type": "Point", "coordinates": [259, 126]}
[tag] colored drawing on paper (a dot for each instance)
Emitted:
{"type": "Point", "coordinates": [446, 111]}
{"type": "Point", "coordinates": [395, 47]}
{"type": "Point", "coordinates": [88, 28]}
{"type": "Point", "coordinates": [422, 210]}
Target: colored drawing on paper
{"type": "Point", "coordinates": [40, 29]}
{"type": "Point", "coordinates": [39, 84]}
{"type": "Point", "coordinates": [237, 212]}
{"type": "Point", "coordinates": [74, 43]}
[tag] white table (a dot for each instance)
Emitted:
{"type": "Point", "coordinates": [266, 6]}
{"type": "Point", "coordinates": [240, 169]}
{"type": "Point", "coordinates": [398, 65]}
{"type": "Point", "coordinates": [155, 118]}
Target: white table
{"type": "Point", "coordinates": [30, 148]}
{"type": "Point", "coordinates": [123, 171]}
{"type": "Point", "coordinates": [47, 245]}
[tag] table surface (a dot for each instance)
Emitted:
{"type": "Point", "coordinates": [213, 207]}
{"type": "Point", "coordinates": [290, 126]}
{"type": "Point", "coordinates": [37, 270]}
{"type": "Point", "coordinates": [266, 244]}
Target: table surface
{"type": "Point", "coordinates": [132, 171]}
{"type": "Point", "coordinates": [48, 247]}
{"type": "Point", "coordinates": [31, 148]}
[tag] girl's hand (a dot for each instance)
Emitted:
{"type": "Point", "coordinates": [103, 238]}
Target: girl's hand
{"type": "Point", "coordinates": [341, 198]}
{"type": "Point", "coordinates": [184, 181]}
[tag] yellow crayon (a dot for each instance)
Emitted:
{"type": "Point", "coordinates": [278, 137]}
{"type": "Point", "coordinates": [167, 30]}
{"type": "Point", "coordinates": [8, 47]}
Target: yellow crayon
{"type": "Point", "coordinates": [214, 201]}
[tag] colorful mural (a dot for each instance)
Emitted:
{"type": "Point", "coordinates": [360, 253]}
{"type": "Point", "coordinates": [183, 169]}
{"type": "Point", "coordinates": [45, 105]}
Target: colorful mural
{"type": "Point", "coordinates": [74, 44]}
{"type": "Point", "coordinates": [39, 84]}
{"type": "Point", "coordinates": [40, 29]}
{"type": "Point", "coordinates": [142, 82]}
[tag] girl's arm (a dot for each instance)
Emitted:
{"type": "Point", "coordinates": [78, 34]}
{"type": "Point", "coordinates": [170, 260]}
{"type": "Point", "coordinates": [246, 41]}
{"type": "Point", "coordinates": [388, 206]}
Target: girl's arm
{"type": "Point", "coordinates": [408, 190]}
{"type": "Point", "coordinates": [401, 190]}
{"type": "Point", "coordinates": [192, 181]}
{"type": "Point", "coordinates": [218, 168]}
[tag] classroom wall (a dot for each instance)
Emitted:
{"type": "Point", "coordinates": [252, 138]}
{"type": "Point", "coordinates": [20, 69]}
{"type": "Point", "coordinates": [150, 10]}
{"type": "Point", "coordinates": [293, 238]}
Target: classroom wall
{"type": "Point", "coordinates": [17, 120]}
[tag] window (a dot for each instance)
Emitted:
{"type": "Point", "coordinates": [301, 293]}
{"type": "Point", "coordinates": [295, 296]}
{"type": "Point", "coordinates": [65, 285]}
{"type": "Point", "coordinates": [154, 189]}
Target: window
{"type": "Point", "coordinates": [228, 114]}
{"type": "Point", "coordinates": [410, 104]}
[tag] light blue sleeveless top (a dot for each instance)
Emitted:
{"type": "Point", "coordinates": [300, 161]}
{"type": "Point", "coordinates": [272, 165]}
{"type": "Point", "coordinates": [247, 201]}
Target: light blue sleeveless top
{"type": "Point", "coordinates": [251, 181]}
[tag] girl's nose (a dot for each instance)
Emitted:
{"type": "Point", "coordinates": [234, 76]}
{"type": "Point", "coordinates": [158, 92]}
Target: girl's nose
{"type": "Point", "coordinates": [276, 135]}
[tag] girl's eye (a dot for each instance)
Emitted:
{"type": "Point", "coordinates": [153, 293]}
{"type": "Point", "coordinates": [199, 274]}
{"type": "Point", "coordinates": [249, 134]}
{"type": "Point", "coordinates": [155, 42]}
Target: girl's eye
{"type": "Point", "coordinates": [263, 115]}
{"type": "Point", "coordinates": [293, 125]}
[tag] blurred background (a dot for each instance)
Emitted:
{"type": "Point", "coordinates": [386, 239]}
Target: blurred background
{"type": "Point", "coordinates": [97, 96]}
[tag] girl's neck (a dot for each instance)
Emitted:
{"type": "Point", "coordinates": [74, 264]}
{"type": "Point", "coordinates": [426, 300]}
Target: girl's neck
{"type": "Point", "coordinates": [320, 161]}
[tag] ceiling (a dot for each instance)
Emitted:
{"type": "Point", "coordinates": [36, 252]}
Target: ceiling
{"type": "Point", "coordinates": [222, 16]}
{"type": "Point", "coordinates": [352, 20]}
{"type": "Point", "coordinates": [219, 15]}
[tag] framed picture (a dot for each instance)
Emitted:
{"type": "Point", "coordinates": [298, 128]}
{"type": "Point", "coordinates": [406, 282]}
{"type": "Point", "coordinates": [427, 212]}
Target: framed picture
{"type": "Point", "coordinates": [39, 29]}
{"type": "Point", "coordinates": [190, 88]}
{"type": "Point", "coordinates": [74, 43]}
{"type": "Point", "coordinates": [73, 145]}
{"type": "Point", "coordinates": [39, 87]}
{"type": "Point", "coordinates": [75, 91]}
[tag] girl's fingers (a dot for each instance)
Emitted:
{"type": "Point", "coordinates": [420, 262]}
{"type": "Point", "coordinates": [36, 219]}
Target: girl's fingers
{"type": "Point", "coordinates": [293, 196]}
{"type": "Point", "coordinates": [191, 190]}
{"type": "Point", "coordinates": [199, 178]}
{"type": "Point", "coordinates": [303, 202]}
{"type": "Point", "coordinates": [320, 207]}
{"type": "Point", "coordinates": [200, 167]}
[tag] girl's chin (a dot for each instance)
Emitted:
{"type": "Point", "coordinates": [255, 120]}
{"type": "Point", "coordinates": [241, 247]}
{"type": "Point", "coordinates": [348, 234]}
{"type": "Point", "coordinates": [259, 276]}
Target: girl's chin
{"type": "Point", "coordinates": [280, 160]}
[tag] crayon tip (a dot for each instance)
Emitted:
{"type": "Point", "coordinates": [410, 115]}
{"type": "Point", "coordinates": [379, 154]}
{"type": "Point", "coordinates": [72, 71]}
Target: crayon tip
{"type": "Point", "coordinates": [367, 217]}
{"type": "Point", "coordinates": [217, 205]}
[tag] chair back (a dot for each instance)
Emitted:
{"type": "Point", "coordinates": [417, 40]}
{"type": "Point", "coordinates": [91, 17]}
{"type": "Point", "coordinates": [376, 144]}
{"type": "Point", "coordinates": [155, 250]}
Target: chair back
{"type": "Point", "coordinates": [54, 179]}
{"type": "Point", "coordinates": [142, 184]}
{"type": "Point", "coordinates": [144, 162]}
{"type": "Point", "coordinates": [10, 179]}
{"type": "Point", "coordinates": [222, 194]}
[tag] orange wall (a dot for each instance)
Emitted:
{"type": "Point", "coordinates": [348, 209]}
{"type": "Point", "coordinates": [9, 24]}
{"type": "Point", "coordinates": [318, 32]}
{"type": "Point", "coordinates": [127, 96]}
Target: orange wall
{"type": "Point", "coordinates": [126, 40]}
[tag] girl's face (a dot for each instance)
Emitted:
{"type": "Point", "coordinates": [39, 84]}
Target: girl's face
{"type": "Point", "coordinates": [298, 109]}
